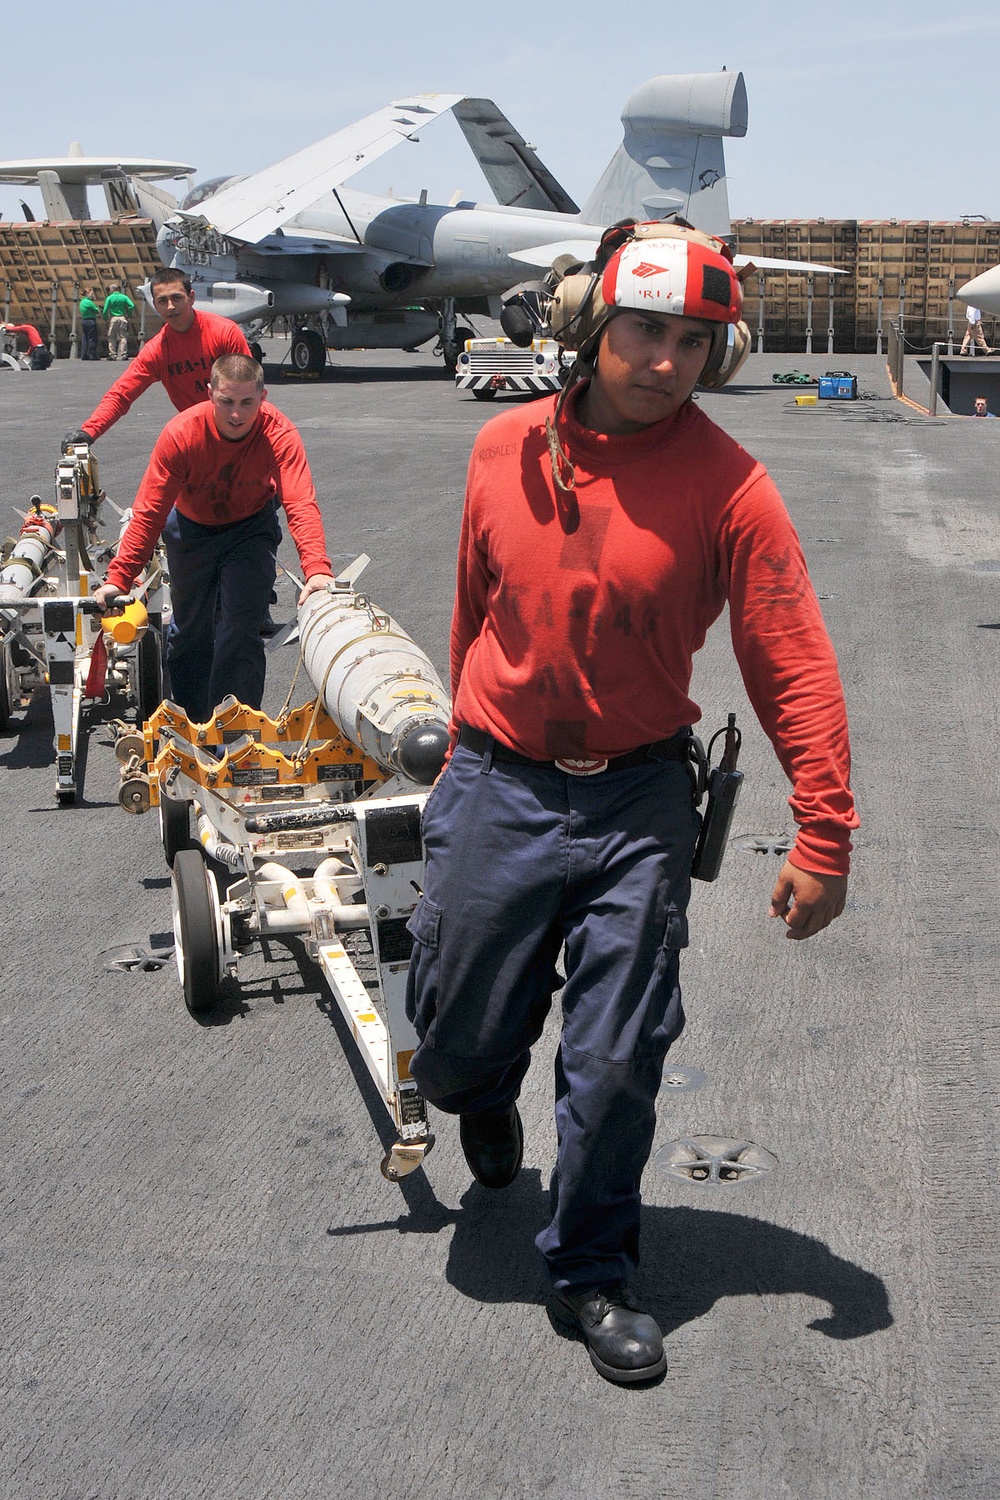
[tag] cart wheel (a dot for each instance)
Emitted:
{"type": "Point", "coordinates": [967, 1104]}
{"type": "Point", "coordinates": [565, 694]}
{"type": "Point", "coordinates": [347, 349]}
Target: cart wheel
{"type": "Point", "coordinates": [196, 930]}
{"type": "Point", "coordinates": [484, 393]}
{"type": "Point", "coordinates": [405, 1157]}
{"type": "Point", "coordinates": [5, 693]}
{"type": "Point", "coordinates": [149, 675]}
{"type": "Point", "coordinates": [175, 826]}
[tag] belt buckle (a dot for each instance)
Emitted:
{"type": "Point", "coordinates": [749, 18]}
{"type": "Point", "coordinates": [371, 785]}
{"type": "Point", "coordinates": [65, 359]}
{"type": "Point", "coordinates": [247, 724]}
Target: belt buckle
{"type": "Point", "coordinates": [582, 767]}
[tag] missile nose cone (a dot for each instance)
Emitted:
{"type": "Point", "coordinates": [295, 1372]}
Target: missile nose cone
{"type": "Point", "coordinates": [983, 291]}
{"type": "Point", "coordinates": [422, 752]}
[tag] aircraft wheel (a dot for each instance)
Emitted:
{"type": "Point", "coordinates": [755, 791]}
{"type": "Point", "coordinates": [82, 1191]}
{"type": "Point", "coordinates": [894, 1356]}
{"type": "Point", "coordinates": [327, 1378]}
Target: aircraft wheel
{"type": "Point", "coordinates": [257, 352]}
{"type": "Point", "coordinates": [452, 348]}
{"type": "Point", "coordinates": [485, 393]}
{"type": "Point", "coordinates": [149, 675]}
{"type": "Point", "coordinates": [175, 826]}
{"type": "Point", "coordinates": [308, 351]}
{"type": "Point", "coordinates": [195, 902]}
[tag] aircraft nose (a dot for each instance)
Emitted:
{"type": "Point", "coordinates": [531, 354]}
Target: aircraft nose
{"type": "Point", "coordinates": [983, 291]}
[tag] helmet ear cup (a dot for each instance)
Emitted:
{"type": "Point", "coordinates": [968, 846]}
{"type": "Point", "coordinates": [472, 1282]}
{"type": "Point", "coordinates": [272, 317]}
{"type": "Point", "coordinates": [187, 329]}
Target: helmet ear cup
{"type": "Point", "coordinates": [726, 355]}
{"type": "Point", "coordinates": [577, 310]}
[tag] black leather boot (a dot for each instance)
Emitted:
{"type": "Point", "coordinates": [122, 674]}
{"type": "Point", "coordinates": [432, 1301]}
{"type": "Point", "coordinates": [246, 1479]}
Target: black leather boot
{"type": "Point", "coordinates": [625, 1344]}
{"type": "Point", "coordinates": [493, 1143]}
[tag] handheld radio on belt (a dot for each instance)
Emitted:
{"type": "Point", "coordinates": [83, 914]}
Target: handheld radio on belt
{"type": "Point", "coordinates": [724, 782]}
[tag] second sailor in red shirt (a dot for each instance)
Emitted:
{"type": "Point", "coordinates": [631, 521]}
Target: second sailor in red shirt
{"type": "Point", "coordinates": [214, 482]}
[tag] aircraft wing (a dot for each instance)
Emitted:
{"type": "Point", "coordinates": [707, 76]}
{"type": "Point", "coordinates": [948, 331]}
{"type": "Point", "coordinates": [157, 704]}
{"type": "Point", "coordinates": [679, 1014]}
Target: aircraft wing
{"type": "Point", "coordinates": [544, 255]}
{"type": "Point", "coordinates": [766, 263]}
{"type": "Point", "coordinates": [263, 202]}
{"type": "Point", "coordinates": [585, 249]}
{"type": "Point", "coordinates": [509, 164]}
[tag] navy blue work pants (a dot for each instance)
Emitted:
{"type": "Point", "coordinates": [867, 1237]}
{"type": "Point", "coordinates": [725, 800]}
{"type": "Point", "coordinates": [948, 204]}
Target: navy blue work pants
{"type": "Point", "coordinates": [89, 350]}
{"type": "Point", "coordinates": [220, 584]}
{"type": "Point", "coordinates": [522, 862]}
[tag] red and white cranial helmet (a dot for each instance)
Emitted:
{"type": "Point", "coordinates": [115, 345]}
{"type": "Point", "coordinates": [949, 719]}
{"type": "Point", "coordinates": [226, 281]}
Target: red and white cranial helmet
{"type": "Point", "coordinates": [684, 276]}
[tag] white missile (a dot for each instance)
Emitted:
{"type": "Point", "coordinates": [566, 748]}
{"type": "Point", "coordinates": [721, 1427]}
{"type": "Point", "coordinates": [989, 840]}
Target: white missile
{"type": "Point", "coordinates": [22, 570]}
{"type": "Point", "coordinates": [375, 682]}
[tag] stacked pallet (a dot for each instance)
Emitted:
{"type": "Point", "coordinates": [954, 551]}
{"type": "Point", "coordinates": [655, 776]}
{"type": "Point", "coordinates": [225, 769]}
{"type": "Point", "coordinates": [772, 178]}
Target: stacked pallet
{"type": "Point", "coordinates": [900, 271]}
{"type": "Point", "coordinates": [46, 267]}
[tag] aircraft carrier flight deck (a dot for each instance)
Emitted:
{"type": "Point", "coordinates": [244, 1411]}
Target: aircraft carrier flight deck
{"type": "Point", "coordinates": [211, 1290]}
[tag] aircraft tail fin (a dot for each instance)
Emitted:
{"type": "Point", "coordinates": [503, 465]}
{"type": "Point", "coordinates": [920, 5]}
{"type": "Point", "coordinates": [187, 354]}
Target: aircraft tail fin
{"type": "Point", "coordinates": [62, 200]}
{"type": "Point", "coordinates": [131, 198]}
{"type": "Point", "coordinates": [511, 167]}
{"type": "Point", "coordinates": [671, 159]}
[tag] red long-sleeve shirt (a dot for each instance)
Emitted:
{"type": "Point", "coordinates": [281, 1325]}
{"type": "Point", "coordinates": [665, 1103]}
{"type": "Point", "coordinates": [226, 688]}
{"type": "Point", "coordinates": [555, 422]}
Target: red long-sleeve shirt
{"type": "Point", "coordinates": [181, 361]}
{"type": "Point", "coordinates": [577, 617]}
{"type": "Point", "coordinates": [214, 481]}
{"type": "Point", "coordinates": [31, 333]}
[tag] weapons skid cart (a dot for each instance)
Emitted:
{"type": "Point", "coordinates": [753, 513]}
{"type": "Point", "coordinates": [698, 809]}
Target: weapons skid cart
{"type": "Point", "coordinates": [50, 631]}
{"type": "Point", "coordinates": [336, 789]}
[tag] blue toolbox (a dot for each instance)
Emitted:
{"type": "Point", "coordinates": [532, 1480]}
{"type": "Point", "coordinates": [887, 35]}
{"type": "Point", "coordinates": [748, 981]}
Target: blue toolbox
{"type": "Point", "coordinates": [838, 385]}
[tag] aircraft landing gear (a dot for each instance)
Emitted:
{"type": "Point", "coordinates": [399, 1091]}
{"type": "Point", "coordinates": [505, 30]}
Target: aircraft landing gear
{"type": "Point", "coordinates": [453, 335]}
{"type": "Point", "coordinates": [308, 351]}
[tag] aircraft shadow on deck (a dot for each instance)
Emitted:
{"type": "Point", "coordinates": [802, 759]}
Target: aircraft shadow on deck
{"type": "Point", "coordinates": [367, 374]}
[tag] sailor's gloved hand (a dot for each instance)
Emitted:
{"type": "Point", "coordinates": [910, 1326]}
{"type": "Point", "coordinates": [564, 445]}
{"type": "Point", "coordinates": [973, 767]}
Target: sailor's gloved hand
{"type": "Point", "coordinates": [76, 436]}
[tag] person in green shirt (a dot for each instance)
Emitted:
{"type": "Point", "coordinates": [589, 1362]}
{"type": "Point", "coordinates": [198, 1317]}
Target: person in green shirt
{"type": "Point", "coordinates": [117, 308]}
{"type": "Point", "coordinates": [89, 314]}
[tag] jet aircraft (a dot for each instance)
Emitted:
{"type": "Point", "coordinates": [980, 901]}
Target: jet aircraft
{"type": "Point", "coordinates": [354, 270]}
{"type": "Point", "coordinates": [63, 181]}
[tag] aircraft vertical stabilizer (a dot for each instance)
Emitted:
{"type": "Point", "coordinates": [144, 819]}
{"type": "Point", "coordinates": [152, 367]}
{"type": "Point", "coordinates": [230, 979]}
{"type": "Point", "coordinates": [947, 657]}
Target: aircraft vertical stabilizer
{"type": "Point", "coordinates": [511, 167]}
{"type": "Point", "coordinates": [62, 200]}
{"type": "Point", "coordinates": [130, 197]}
{"type": "Point", "coordinates": [671, 160]}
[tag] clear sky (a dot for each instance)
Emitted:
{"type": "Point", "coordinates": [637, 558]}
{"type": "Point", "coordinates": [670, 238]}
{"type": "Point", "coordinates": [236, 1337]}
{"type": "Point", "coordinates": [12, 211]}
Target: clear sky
{"type": "Point", "coordinates": [856, 110]}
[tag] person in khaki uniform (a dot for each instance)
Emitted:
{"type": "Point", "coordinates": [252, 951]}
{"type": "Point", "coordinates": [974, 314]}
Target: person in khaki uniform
{"type": "Point", "coordinates": [118, 308]}
{"type": "Point", "coordinates": [974, 332]}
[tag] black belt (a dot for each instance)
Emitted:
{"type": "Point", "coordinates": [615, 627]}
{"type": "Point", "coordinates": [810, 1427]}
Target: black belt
{"type": "Point", "coordinates": [676, 748]}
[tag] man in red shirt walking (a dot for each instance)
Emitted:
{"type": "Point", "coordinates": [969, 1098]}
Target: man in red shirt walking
{"type": "Point", "coordinates": [214, 481]}
{"type": "Point", "coordinates": [603, 534]}
{"type": "Point", "coordinates": [181, 356]}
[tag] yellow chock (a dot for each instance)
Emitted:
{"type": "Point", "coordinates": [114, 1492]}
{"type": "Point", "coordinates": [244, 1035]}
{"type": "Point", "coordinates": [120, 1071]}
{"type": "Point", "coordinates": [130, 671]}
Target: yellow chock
{"type": "Point", "coordinates": [810, 400]}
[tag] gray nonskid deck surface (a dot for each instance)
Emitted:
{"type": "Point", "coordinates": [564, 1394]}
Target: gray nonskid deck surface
{"type": "Point", "coordinates": [210, 1291]}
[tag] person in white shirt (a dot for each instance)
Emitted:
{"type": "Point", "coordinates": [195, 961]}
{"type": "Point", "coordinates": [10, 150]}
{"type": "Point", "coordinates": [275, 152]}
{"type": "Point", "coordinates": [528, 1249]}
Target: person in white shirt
{"type": "Point", "coordinates": [974, 331]}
